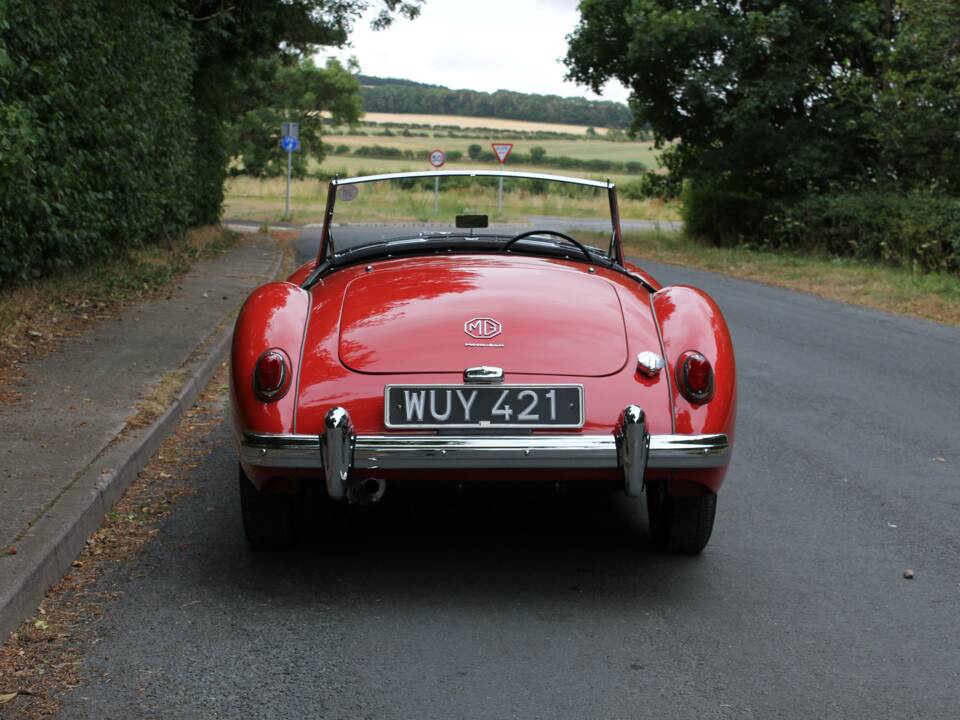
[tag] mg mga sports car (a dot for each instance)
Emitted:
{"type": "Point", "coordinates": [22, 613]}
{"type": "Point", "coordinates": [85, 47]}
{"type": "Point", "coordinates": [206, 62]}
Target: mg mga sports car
{"type": "Point", "coordinates": [463, 326]}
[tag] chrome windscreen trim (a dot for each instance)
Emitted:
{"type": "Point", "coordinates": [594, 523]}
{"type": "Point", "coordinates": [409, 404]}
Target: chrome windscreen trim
{"type": "Point", "coordinates": [605, 184]}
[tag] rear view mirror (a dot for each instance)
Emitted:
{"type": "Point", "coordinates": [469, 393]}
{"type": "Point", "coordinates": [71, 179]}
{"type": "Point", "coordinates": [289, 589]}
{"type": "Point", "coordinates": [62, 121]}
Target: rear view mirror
{"type": "Point", "coordinates": [472, 221]}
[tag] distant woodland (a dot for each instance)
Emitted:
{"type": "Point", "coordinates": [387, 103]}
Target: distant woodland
{"type": "Point", "coordinates": [407, 96]}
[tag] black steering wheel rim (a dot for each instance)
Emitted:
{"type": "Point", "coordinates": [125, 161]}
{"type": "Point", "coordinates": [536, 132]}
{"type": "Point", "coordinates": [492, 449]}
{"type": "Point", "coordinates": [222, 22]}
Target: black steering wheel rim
{"type": "Point", "coordinates": [557, 233]}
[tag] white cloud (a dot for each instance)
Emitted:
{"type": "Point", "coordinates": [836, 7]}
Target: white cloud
{"type": "Point", "coordinates": [490, 45]}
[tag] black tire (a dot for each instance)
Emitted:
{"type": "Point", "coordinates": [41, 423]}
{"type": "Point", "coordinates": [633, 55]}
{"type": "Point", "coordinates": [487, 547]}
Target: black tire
{"type": "Point", "coordinates": [269, 521]}
{"type": "Point", "coordinates": [679, 524]}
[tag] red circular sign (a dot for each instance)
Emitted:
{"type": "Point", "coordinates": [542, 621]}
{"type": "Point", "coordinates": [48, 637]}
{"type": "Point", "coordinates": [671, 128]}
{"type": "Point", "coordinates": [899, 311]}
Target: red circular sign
{"type": "Point", "coordinates": [438, 158]}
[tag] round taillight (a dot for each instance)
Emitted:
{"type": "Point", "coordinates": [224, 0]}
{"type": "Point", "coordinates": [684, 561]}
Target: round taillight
{"type": "Point", "coordinates": [270, 375]}
{"type": "Point", "coordinates": [695, 377]}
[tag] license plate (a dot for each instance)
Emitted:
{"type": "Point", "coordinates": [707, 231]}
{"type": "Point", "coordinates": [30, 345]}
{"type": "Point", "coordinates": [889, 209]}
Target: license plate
{"type": "Point", "coordinates": [472, 406]}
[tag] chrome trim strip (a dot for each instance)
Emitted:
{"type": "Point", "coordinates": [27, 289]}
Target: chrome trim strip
{"type": "Point", "coordinates": [374, 452]}
{"type": "Point", "coordinates": [483, 451]}
{"type": "Point", "coordinates": [471, 173]}
{"type": "Point", "coordinates": [483, 375]}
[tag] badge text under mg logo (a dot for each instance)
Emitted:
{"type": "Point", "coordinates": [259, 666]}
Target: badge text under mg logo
{"type": "Point", "coordinates": [482, 328]}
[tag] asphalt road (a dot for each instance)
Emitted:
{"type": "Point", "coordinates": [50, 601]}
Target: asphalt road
{"type": "Point", "coordinates": [846, 473]}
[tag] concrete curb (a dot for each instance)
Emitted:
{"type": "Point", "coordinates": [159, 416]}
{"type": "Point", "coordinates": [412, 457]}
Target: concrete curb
{"type": "Point", "coordinates": [56, 540]}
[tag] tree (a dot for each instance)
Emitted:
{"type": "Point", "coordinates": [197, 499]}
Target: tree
{"type": "Point", "coordinates": [775, 100]}
{"type": "Point", "coordinates": [229, 38]}
{"type": "Point", "coordinates": [298, 91]}
{"type": "Point", "coordinates": [474, 151]}
{"type": "Point", "coordinates": [537, 153]}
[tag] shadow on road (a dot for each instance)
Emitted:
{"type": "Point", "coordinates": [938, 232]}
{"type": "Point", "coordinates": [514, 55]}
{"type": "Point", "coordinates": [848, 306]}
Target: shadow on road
{"type": "Point", "coordinates": [544, 550]}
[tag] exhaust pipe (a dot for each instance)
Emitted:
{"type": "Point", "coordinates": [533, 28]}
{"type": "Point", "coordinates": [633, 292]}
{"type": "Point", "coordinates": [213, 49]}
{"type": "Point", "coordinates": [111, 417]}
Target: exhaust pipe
{"type": "Point", "coordinates": [366, 491]}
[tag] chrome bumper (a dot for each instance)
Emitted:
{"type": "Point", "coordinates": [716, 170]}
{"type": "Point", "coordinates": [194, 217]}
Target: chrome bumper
{"type": "Point", "coordinates": [339, 451]}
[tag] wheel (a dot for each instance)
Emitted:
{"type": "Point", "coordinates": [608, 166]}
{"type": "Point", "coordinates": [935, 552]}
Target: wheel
{"type": "Point", "coordinates": [269, 521]}
{"type": "Point", "coordinates": [679, 524]}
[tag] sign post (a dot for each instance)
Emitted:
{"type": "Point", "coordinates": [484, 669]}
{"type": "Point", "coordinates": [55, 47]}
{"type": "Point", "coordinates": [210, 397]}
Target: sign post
{"type": "Point", "coordinates": [290, 142]}
{"type": "Point", "coordinates": [437, 159]}
{"type": "Point", "coordinates": [502, 151]}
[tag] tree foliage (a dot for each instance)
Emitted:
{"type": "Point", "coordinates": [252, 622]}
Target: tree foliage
{"type": "Point", "coordinates": [774, 96]}
{"type": "Point", "coordinates": [769, 101]}
{"type": "Point", "coordinates": [278, 91]}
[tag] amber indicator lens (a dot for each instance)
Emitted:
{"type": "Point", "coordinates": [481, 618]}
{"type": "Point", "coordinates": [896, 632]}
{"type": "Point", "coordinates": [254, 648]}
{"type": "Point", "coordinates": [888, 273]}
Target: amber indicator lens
{"type": "Point", "coordinates": [269, 377]}
{"type": "Point", "coordinates": [695, 377]}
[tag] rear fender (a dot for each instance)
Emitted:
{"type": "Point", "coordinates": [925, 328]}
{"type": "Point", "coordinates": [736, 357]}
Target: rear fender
{"type": "Point", "coordinates": [689, 319]}
{"type": "Point", "coordinates": [274, 316]}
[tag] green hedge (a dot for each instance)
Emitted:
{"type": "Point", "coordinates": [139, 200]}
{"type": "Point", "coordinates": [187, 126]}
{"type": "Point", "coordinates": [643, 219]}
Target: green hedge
{"type": "Point", "coordinates": [719, 215]}
{"type": "Point", "coordinates": [650, 185]}
{"type": "Point", "coordinates": [918, 229]}
{"type": "Point", "coordinates": [97, 131]}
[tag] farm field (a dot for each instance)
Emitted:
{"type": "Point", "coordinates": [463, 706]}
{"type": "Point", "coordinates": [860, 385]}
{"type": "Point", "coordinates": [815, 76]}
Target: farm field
{"type": "Point", "coordinates": [261, 200]}
{"type": "Point", "coordinates": [581, 149]}
{"type": "Point", "coordinates": [465, 121]}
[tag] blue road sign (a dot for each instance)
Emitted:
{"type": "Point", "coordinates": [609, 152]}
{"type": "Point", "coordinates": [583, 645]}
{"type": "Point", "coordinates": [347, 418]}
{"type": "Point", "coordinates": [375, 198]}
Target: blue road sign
{"type": "Point", "coordinates": [289, 144]}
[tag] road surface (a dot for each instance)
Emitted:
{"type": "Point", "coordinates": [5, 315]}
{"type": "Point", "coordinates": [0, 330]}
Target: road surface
{"type": "Point", "coordinates": [846, 473]}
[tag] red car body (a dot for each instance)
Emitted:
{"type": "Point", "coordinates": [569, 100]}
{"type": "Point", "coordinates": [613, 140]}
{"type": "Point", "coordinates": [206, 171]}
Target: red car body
{"type": "Point", "coordinates": [401, 320]}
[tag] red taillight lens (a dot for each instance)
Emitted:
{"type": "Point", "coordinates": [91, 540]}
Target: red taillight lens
{"type": "Point", "coordinates": [270, 376]}
{"type": "Point", "coordinates": [695, 377]}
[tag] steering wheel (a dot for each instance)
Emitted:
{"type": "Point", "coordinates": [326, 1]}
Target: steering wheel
{"type": "Point", "coordinates": [528, 233]}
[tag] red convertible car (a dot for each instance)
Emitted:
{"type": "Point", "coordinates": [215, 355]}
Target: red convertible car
{"type": "Point", "coordinates": [463, 326]}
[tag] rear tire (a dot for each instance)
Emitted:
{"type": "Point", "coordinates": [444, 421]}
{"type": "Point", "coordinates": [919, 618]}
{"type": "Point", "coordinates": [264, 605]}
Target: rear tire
{"type": "Point", "coordinates": [269, 521]}
{"type": "Point", "coordinates": [679, 524]}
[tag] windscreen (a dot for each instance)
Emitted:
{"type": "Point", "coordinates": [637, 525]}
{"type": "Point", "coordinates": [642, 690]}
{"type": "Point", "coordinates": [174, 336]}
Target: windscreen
{"type": "Point", "coordinates": [372, 212]}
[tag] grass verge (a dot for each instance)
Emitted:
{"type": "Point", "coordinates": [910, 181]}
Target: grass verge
{"type": "Point", "coordinates": [42, 660]}
{"type": "Point", "coordinates": [35, 315]}
{"type": "Point", "coordinates": [931, 296]}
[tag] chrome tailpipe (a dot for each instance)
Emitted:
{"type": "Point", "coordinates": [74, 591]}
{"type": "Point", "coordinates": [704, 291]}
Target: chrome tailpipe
{"type": "Point", "coordinates": [366, 491]}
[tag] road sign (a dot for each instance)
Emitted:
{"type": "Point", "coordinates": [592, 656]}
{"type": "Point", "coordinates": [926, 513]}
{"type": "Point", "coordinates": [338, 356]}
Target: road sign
{"type": "Point", "coordinates": [289, 143]}
{"type": "Point", "coordinates": [502, 151]}
{"type": "Point", "coordinates": [290, 129]}
{"type": "Point", "coordinates": [438, 158]}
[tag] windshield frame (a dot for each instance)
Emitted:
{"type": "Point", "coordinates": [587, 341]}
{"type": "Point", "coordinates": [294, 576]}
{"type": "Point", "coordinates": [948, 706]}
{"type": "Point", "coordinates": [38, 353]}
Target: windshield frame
{"type": "Point", "coordinates": [614, 252]}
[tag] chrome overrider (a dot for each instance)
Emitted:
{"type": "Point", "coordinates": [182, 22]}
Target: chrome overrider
{"type": "Point", "coordinates": [339, 451]}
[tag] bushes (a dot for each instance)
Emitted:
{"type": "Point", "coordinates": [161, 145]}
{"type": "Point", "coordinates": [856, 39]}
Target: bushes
{"type": "Point", "coordinates": [918, 229]}
{"type": "Point", "coordinates": [97, 147]}
{"type": "Point", "coordinates": [378, 151]}
{"type": "Point", "coordinates": [722, 216]}
{"type": "Point", "coordinates": [651, 185]}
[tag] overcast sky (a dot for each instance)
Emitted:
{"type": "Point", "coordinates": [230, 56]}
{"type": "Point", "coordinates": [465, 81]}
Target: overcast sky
{"type": "Point", "coordinates": [477, 44]}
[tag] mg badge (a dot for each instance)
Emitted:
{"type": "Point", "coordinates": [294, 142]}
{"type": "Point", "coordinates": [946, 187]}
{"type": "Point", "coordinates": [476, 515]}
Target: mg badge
{"type": "Point", "coordinates": [482, 328]}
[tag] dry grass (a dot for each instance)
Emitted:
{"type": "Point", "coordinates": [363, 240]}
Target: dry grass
{"type": "Point", "coordinates": [929, 296]}
{"type": "Point", "coordinates": [469, 122]}
{"type": "Point", "coordinates": [262, 200]}
{"type": "Point", "coordinates": [35, 316]}
{"type": "Point", "coordinates": [41, 661]}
